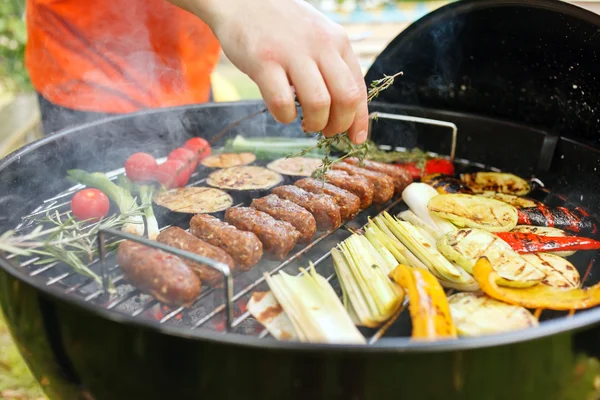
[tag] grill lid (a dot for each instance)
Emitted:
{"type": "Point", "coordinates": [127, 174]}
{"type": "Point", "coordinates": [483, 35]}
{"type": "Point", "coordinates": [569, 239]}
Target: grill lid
{"type": "Point", "coordinates": [528, 61]}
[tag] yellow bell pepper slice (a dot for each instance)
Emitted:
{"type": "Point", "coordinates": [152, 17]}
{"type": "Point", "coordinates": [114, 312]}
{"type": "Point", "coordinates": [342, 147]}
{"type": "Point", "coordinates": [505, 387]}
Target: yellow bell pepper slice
{"type": "Point", "coordinates": [428, 304]}
{"type": "Point", "coordinates": [538, 296]}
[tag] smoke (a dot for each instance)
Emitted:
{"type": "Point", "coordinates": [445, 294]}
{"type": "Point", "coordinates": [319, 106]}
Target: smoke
{"type": "Point", "coordinates": [447, 56]}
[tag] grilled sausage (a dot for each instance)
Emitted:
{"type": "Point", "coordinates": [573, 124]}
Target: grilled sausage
{"type": "Point", "coordinates": [321, 206]}
{"type": "Point", "coordinates": [277, 237]}
{"type": "Point", "coordinates": [383, 184]}
{"type": "Point", "coordinates": [401, 177]}
{"type": "Point", "coordinates": [244, 247]}
{"type": "Point", "coordinates": [288, 211]}
{"type": "Point", "coordinates": [158, 273]}
{"type": "Point", "coordinates": [356, 184]}
{"type": "Point", "coordinates": [348, 203]}
{"type": "Point", "coordinates": [180, 239]}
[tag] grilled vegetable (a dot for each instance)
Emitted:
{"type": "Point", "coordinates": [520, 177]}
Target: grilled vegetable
{"type": "Point", "coordinates": [314, 308]}
{"type": "Point", "coordinates": [273, 146]}
{"type": "Point", "coordinates": [515, 201]}
{"type": "Point", "coordinates": [559, 272]}
{"type": "Point", "coordinates": [194, 200]}
{"type": "Point", "coordinates": [544, 231]}
{"type": "Point", "coordinates": [264, 307]}
{"type": "Point", "coordinates": [476, 314]}
{"type": "Point", "coordinates": [417, 196]}
{"type": "Point", "coordinates": [244, 178]}
{"type": "Point", "coordinates": [412, 237]}
{"type": "Point", "coordinates": [90, 205]}
{"type": "Point", "coordinates": [432, 166]}
{"type": "Point", "coordinates": [445, 184]}
{"type": "Point", "coordinates": [539, 296]}
{"type": "Point", "coordinates": [295, 166]}
{"type": "Point", "coordinates": [363, 273]}
{"type": "Point", "coordinates": [576, 220]}
{"type": "Point", "coordinates": [532, 243]}
{"type": "Point", "coordinates": [140, 167]}
{"type": "Point", "coordinates": [185, 155]}
{"type": "Point", "coordinates": [428, 305]}
{"type": "Point", "coordinates": [470, 211]}
{"type": "Point", "coordinates": [500, 182]}
{"type": "Point", "coordinates": [227, 160]}
{"type": "Point", "coordinates": [173, 174]}
{"type": "Point", "coordinates": [122, 197]}
{"type": "Point", "coordinates": [199, 146]}
{"type": "Point", "coordinates": [146, 192]}
{"type": "Point", "coordinates": [466, 246]}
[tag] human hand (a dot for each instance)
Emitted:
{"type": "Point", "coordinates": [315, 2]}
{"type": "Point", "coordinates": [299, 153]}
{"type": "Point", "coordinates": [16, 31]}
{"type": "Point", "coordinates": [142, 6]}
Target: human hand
{"type": "Point", "coordinates": [285, 43]}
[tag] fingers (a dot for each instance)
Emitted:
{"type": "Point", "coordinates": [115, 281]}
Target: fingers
{"type": "Point", "coordinates": [276, 91]}
{"type": "Point", "coordinates": [359, 129]}
{"type": "Point", "coordinates": [344, 92]}
{"type": "Point", "coordinates": [312, 94]}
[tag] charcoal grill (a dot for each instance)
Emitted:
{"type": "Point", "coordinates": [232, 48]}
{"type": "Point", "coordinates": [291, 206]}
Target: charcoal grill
{"type": "Point", "coordinates": [81, 342]}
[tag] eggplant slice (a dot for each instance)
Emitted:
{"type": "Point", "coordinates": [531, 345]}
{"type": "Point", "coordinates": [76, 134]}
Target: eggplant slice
{"type": "Point", "coordinates": [194, 200]}
{"type": "Point", "coordinates": [244, 178]}
{"type": "Point", "coordinates": [476, 314]}
{"type": "Point", "coordinates": [228, 160]}
{"type": "Point", "coordinates": [559, 272]}
{"type": "Point", "coordinates": [500, 182]}
{"type": "Point", "coordinates": [295, 166]}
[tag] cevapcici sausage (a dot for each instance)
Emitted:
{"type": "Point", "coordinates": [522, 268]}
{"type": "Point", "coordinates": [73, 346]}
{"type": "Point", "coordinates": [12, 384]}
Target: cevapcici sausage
{"type": "Point", "coordinates": [348, 203]}
{"type": "Point", "coordinates": [400, 176]}
{"type": "Point", "coordinates": [244, 247]}
{"type": "Point", "coordinates": [288, 211]}
{"type": "Point", "coordinates": [277, 237]}
{"type": "Point", "coordinates": [158, 273]}
{"type": "Point", "coordinates": [180, 239]}
{"type": "Point", "coordinates": [321, 206]}
{"type": "Point", "coordinates": [383, 184]}
{"type": "Point", "coordinates": [356, 184]}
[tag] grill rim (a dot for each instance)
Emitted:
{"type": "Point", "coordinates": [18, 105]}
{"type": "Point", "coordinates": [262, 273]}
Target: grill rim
{"type": "Point", "coordinates": [582, 319]}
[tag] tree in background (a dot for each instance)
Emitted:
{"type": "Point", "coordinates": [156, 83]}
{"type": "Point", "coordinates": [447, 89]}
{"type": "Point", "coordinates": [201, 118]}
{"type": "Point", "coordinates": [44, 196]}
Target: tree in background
{"type": "Point", "coordinates": [13, 36]}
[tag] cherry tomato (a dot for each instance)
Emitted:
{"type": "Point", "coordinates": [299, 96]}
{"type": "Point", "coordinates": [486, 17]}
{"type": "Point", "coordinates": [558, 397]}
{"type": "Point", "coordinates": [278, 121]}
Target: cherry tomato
{"type": "Point", "coordinates": [412, 168]}
{"type": "Point", "coordinates": [90, 204]}
{"type": "Point", "coordinates": [439, 166]}
{"type": "Point", "coordinates": [198, 146]}
{"type": "Point", "coordinates": [140, 167]}
{"type": "Point", "coordinates": [172, 174]}
{"type": "Point", "coordinates": [186, 155]}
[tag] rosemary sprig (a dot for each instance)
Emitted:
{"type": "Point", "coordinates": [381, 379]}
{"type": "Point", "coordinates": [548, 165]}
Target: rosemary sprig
{"type": "Point", "coordinates": [64, 239]}
{"type": "Point", "coordinates": [342, 140]}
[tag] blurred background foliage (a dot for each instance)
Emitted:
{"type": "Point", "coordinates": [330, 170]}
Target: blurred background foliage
{"type": "Point", "coordinates": [13, 36]}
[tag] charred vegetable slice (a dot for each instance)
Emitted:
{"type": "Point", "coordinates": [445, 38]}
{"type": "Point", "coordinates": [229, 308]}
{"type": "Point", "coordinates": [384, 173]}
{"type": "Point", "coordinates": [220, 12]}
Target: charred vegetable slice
{"type": "Point", "coordinates": [295, 166]}
{"type": "Point", "coordinates": [544, 231]}
{"type": "Point", "coordinates": [559, 272]}
{"type": "Point", "coordinates": [228, 160]}
{"type": "Point", "coordinates": [466, 246]}
{"type": "Point", "coordinates": [531, 243]}
{"type": "Point", "coordinates": [466, 210]}
{"type": "Point", "coordinates": [264, 307]}
{"type": "Point", "coordinates": [194, 200]}
{"type": "Point", "coordinates": [513, 200]}
{"type": "Point", "coordinates": [445, 184]}
{"type": "Point", "coordinates": [244, 178]}
{"type": "Point", "coordinates": [476, 314]}
{"type": "Point", "coordinates": [500, 182]}
{"type": "Point", "coordinates": [539, 296]}
{"type": "Point", "coordinates": [428, 305]}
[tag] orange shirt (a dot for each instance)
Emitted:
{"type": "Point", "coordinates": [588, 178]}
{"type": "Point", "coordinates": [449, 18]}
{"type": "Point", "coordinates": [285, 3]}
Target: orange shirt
{"type": "Point", "coordinates": [118, 56]}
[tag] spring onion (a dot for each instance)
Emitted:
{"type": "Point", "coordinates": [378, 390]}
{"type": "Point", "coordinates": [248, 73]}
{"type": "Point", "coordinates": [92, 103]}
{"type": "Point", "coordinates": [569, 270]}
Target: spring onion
{"type": "Point", "coordinates": [417, 196]}
{"type": "Point", "coordinates": [146, 192]}
{"type": "Point", "coordinates": [122, 197]}
{"type": "Point", "coordinates": [363, 273]}
{"type": "Point", "coordinates": [314, 309]}
{"type": "Point", "coordinates": [272, 146]}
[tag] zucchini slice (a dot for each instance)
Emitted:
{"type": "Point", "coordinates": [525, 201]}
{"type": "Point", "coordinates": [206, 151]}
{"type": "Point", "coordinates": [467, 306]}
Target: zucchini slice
{"type": "Point", "coordinates": [476, 314]}
{"type": "Point", "coordinates": [471, 211]}
{"type": "Point", "coordinates": [227, 160]}
{"type": "Point", "coordinates": [501, 182]}
{"type": "Point", "coordinates": [545, 231]}
{"type": "Point", "coordinates": [244, 178]}
{"type": "Point", "coordinates": [445, 184]}
{"type": "Point", "coordinates": [194, 200]}
{"type": "Point", "coordinates": [515, 201]}
{"type": "Point", "coordinates": [295, 166]}
{"type": "Point", "coordinates": [559, 272]}
{"type": "Point", "coordinates": [466, 246]}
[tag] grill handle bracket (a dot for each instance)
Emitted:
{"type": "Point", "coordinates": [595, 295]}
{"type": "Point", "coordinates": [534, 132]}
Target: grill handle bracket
{"type": "Point", "coordinates": [220, 267]}
{"type": "Point", "coordinates": [427, 121]}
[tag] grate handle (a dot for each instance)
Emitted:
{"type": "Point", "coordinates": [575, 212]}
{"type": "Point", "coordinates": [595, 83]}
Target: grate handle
{"type": "Point", "coordinates": [427, 121]}
{"type": "Point", "coordinates": [220, 267]}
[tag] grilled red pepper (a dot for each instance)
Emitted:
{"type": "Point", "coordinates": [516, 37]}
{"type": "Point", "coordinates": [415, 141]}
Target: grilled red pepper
{"type": "Point", "coordinates": [432, 166]}
{"type": "Point", "coordinates": [576, 220]}
{"type": "Point", "coordinates": [532, 243]}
